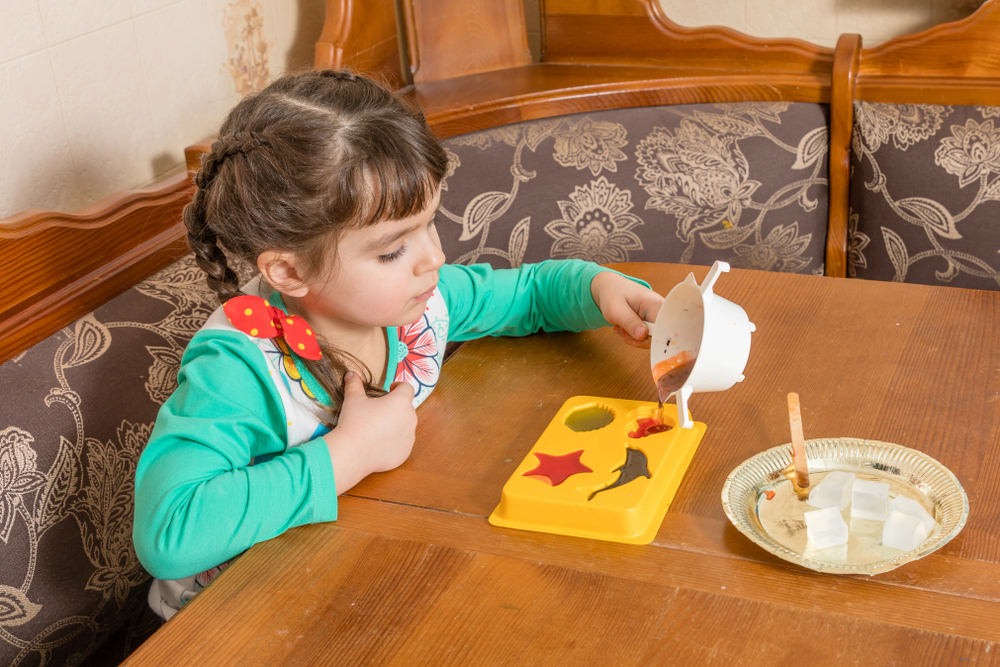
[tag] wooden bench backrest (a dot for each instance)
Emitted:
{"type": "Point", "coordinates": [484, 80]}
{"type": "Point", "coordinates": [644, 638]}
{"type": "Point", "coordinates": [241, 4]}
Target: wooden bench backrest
{"type": "Point", "coordinates": [953, 63]}
{"type": "Point", "coordinates": [64, 265]}
{"type": "Point", "coordinates": [598, 54]}
{"type": "Point", "coordinates": [471, 68]}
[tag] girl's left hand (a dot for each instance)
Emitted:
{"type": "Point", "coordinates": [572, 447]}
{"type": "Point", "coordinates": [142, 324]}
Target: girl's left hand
{"type": "Point", "coordinates": [627, 305]}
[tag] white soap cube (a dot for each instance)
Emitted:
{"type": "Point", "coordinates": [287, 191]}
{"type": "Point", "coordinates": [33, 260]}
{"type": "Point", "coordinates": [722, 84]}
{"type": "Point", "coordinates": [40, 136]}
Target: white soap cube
{"type": "Point", "coordinates": [833, 491]}
{"type": "Point", "coordinates": [914, 509]}
{"type": "Point", "coordinates": [903, 531]}
{"type": "Point", "coordinates": [826, 528]}
{"type": "Point", "coordinates": [870, 500]}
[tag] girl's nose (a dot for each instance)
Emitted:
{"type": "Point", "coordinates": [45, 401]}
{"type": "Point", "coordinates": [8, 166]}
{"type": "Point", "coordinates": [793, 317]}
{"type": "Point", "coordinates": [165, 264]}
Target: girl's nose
{"type": "Point", "coordinates": [433, 257]}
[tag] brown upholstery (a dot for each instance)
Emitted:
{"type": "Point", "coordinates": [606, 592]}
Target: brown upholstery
{"type": "Point", "coordinates": [925, 194]}
{"type": "Point", "coordinates": [82, 411]}
{"type": "Point", "coordinates": [741, 182]}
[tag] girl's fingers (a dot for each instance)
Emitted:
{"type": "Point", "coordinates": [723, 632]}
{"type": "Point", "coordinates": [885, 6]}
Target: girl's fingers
{"type": "Point", "coordinates": [643, 344]}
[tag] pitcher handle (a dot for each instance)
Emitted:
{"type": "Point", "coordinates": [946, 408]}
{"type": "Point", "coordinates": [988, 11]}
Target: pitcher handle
{"type": "Point", "coordinates": [713, 275]}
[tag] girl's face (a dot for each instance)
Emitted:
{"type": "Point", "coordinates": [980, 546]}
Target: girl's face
{"type": "Point", "coordinates": [383, 274]}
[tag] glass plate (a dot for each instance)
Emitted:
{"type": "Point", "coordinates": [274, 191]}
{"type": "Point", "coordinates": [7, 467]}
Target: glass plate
{"type": "Point", "coordinates": [776, 522]}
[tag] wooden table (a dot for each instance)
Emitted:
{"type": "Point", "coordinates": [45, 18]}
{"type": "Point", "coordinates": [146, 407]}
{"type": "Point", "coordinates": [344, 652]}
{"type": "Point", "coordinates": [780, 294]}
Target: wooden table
{"type": "Point", "coordinates": [412, 573]}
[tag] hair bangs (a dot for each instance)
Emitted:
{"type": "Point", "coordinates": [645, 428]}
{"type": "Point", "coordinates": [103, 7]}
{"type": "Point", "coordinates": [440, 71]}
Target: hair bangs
{"type": "Point", "coordinates": [397, 187]}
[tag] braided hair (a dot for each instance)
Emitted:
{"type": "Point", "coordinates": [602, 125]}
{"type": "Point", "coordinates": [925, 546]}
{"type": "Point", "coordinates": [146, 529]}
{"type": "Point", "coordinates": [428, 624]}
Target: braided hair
{"type": "Point", "coordinates": [294, 166]}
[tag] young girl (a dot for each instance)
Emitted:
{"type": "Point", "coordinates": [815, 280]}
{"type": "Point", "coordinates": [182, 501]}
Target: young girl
{"type": "Point", "coordinates": [306, 380]}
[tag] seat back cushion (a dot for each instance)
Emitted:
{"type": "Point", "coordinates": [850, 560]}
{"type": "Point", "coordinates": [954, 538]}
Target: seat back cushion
{"type": "Point", "coordinates": [78, 409]}
{"type": "Point", "coordinates": [741, 182]}
{"type": "Point", "coordinates": [925, 194]}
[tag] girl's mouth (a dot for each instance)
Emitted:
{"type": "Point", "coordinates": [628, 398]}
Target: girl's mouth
{"type": "Point", "coordinates": [426, 295]}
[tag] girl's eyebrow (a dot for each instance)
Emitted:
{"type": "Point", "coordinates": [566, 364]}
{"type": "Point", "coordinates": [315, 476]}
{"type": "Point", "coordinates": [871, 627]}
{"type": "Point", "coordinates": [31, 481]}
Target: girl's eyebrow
{"type": "Point", "coordinates": [391, 237]}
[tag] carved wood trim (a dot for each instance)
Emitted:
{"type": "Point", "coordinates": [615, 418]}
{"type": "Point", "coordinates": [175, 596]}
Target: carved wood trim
{"type": "Point", "coordinates": [70, 263]}
{"type": "Point", "coordinates": [845, 73]}
{"type": "Point", "coordinates": [966, 49]}
{"type": "Point", "coordinates": [929, 90]}
{"type": "Point", "coordinates": [648, 36]}
{"type": "Point", "coordinates": [491, 99]}
{"type": "Point", "coordinates": [951, 63]}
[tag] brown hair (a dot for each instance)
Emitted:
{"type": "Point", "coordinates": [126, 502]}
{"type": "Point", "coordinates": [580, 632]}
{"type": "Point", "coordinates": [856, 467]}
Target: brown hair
{"type": "Point", "coordinates": [296, 164]}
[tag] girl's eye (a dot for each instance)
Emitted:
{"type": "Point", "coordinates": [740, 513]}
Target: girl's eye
{"type": "Point", "coordinates": [392, 255]}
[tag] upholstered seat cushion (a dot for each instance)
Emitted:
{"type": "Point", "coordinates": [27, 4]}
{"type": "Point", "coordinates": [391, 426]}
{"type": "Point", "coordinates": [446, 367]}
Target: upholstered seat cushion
{"type": "Point", "coordinates": [925, 194]}
{"type": "Point", "coordinates": [742, 182]}
{"type": "Point", "coordinates": [77, 411]}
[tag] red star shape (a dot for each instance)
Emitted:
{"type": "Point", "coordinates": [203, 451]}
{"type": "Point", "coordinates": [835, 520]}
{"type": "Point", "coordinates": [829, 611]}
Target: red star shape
{"type": "Point", "coordinates": [558, 468]}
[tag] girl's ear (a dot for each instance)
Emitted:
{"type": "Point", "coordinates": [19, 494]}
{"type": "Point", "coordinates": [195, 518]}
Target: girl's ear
{"type": "Point", "coordinates": [281, 271]}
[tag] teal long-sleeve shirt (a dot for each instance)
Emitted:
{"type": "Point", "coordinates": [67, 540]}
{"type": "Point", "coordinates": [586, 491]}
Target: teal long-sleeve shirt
{"type": "Point", "coordinates": [200, 500]}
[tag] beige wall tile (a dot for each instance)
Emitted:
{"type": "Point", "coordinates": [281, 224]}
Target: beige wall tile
{"type": "Point", "coordinates": [36, 168]}
{"type": "Point", "coordinates": [879, 20]}
{"type": "Point", "coordinates": [140, 7]}
{"type": "Point", "coordinates": [297, 26]}
{"type": "Point", "coordinates": [66, 19]}
{"type": "Point", "coordinates": [793, 18]}
{"type": "Point", "coordinates": [728, 13]}
{"type": "Point", "coordinates": [106, 107]}
{"type": "Point", "coordinates": [189, 92]}
{"type": "Point", "coordinates": [21, 30]}
{"type": "Point", "coordinates": [821, 21]}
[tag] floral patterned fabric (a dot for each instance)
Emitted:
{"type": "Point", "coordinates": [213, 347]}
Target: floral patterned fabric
{"type": "Point", "coordinates": [78, 410]}
{"type": "Point", "coordinates": [745, 183]}
{"type": "Point", "coordinates": [925, 194]}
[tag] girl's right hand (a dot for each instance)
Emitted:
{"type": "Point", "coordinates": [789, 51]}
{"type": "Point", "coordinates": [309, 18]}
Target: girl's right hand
{"type": "Point", "coordinates": [373, 434]}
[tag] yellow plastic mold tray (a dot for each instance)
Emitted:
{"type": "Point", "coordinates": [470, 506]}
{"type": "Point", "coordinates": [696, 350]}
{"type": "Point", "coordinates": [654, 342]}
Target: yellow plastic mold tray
{"type": "Point", "coordinates": [603, 468]}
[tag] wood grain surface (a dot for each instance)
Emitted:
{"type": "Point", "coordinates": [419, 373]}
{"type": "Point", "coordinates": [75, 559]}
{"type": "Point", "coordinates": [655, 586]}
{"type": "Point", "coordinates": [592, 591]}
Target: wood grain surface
{"type": "Point", "coordinates": [413, 574]}
{"type": "Point", "coordinates": [366, 43]}
{"type": "Point", "coordinates": [452, 38]}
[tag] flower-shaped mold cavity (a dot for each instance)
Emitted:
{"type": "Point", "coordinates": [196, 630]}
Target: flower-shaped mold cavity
{"type": "Point", "coordinates": [589, 418]}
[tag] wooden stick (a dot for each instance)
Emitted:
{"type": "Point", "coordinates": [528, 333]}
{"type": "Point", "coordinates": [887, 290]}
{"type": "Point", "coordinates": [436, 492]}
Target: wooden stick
{"type": "Point", "coordinates": [798, 442]}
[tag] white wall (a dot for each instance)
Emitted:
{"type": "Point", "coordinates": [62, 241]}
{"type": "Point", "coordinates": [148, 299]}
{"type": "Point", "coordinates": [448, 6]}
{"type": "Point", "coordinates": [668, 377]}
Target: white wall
{"type": "Point", "coordinates": [98, 96]}
{"type": "Point", "coordinates": [820, 21]}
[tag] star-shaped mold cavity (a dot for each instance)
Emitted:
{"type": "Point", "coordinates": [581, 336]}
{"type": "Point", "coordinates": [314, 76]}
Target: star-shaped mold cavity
{"type": "Point", "coordinates": [555, 469]}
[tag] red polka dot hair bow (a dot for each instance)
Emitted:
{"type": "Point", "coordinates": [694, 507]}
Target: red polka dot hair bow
{"type": "Point", "coordinates": [255, 316]}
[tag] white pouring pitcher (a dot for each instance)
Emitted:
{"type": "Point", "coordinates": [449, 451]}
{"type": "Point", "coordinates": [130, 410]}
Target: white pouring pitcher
{"type": "Point", "coordinates": [714, 334]}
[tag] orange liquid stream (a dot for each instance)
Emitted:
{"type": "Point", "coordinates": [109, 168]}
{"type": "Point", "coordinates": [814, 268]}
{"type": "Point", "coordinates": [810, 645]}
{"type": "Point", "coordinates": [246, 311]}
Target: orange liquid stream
{"type": "Point", "coordinates": [671, 374]}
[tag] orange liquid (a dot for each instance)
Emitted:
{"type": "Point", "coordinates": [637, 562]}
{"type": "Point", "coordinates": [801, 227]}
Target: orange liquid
{"type": "Point", "coordinates": [671, 374]}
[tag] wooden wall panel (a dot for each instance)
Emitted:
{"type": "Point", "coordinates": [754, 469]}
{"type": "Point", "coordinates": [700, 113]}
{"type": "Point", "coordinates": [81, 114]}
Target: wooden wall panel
{"type": "Point", "coordinates": [452, 38]}
{"type": "Point", "coordinates": [361, 36]}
